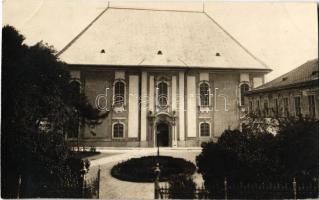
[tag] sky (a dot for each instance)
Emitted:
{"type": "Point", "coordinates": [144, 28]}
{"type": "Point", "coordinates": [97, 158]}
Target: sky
{"type": "Point", "coordinates": [282, 34]}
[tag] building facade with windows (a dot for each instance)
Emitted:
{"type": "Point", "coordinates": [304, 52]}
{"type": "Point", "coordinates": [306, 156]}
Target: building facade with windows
{"type": "Point", "coordinates": [172, 77]}
{"type": "Point", "coordinates": [295, 93]}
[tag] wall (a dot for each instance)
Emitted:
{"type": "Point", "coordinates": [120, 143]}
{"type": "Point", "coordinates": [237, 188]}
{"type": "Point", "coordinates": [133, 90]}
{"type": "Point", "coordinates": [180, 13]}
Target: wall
{"type": "Point", "coordinates": [303, 93]}
{"type": "Point", "coordinates": [226, 102]}
{"type": "Point", "coordinates": [222, 113]}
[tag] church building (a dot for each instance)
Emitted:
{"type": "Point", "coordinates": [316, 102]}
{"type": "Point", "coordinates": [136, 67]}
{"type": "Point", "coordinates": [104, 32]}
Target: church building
{"type": "Point", "coordinates": [170, 77]}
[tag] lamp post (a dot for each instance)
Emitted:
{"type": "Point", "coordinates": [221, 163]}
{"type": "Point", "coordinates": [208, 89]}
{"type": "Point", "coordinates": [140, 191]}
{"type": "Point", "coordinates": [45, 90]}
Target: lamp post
{"type": "Point", "coordinates": [157, 170]}
{"type": "Point", "coordinates": [156, 182]}
{"type": "Point", "coordinates": [157, 144]}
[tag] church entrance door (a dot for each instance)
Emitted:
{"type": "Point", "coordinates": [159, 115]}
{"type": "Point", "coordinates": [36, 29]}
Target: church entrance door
{"type": "Point", "coordinates": [162, 132]}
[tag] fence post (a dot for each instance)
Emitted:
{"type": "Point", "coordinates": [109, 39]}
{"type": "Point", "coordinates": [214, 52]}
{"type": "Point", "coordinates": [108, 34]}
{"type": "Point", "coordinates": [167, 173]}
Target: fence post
{"type": "Point", "coordinates": [294, 185]}
{"type": "Point", "coordinates": [98, 179]}
{"type": "Point", "coordinates": [19, 187]}
{"type": "Point", "coordinates": [225, 187]}
{"type": "Point", "coordinates": [83, 188]}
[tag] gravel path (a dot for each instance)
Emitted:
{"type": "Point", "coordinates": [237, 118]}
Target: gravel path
{"type": "Point", "coordinates": [112, 188]}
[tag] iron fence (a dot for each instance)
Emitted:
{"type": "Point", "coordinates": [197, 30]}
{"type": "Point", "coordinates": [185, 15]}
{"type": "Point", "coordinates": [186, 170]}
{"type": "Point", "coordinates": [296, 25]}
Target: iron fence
{"type": "Point", "coordinates": [261, 190]}
{"type": "Point", "coordinates": [199, 193]}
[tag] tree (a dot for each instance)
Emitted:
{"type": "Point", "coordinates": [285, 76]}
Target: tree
{"type": "Point", "coordinates": [298, 142]}
{"type": "Point", "coordinates": [256, 155]}
{"type": "Point", "coordinates": [36, 90]}
{"type": "Point", "coordinates": [240, 156]}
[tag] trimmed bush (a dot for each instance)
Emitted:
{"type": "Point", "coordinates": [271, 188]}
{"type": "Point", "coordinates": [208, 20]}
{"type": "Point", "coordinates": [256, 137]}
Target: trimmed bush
{"type": "Point", "coordinates": [142, 169]}
{"type": "Point", "coordinates": [181, 187]}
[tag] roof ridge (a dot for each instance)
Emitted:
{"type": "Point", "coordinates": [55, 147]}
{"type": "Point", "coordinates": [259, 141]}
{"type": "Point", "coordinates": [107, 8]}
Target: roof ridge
{"type": "Point", "coordinates": [152, 9]}
{"type": "Point", "coordinates": [287, 74]}
{"type": "Point", "coordinates": [292, 71]}
{"type": "Point", "coordinates": [83, 31]}
{"type": "Point", "coordinates": [236, 41]}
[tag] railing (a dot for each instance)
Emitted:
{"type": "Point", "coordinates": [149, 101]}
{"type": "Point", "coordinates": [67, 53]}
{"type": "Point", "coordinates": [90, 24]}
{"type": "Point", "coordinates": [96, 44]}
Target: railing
{"type": "Point", "coordinates": [262, 190]}
{"type": "Point", "coordinates": [200, 193]}
{"type": "Point", "coordinates": [277, 190]}
{"type": "Point", "coordinates": [91, 186]}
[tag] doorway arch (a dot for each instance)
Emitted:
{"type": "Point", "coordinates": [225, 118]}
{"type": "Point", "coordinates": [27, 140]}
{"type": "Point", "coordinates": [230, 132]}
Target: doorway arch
{"type": "Point", "coordinates": [162, 134]}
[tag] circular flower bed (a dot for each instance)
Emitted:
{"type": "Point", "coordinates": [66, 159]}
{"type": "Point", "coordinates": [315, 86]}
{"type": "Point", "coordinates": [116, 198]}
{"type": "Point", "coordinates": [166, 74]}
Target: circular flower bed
{"type": "Point", "coordinates": [142, 169]}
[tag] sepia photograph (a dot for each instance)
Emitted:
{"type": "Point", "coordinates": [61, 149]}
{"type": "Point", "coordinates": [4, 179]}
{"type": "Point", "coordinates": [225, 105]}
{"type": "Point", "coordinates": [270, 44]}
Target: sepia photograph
{"type": "Point", "coordinates": [159, 99]}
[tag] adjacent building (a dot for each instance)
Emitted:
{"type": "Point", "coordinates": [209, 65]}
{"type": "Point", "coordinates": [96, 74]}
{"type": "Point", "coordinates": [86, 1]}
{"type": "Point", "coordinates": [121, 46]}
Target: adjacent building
{"type": "Point", "coordinates": [295, 93]}
{"type": "Point", "coordinates": [172, 77]}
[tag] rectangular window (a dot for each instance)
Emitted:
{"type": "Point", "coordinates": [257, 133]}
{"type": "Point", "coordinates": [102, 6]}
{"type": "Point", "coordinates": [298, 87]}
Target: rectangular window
{"type": "Point", "coordinates": [243, 89]}
{"type": "Point", "coordinates": [250, 106]}
{"type": "Point", "coordinates": [312, 107]}
{"type": "Point", "coordinates": [258, 108]}
{"type": "Point", "coordinates": [297, 106]}
{"type": "Point", "coordinates": [286, 107]}
{"type": "Point", "coordinates": [276, 107]}
{"type": "Point", "coordinates": [266, 108]}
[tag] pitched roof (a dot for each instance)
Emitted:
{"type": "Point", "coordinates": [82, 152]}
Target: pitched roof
{"type": "Point", "coordinates": [126, 36]}
{"type": "Point", "coordinates": [307, 72]}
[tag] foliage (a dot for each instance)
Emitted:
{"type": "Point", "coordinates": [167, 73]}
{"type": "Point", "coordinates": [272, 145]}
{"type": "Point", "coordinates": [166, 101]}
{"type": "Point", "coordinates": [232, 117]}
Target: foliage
{"type": "Point", "coordinates": [38, 105]}
{"type": "Point", "coordinates": [143, 169]}
{"type": "Point", "coordinates": [241, 155]}
{"type": "Point", "coordinates": [298, 142]}
{"type": "Point", "coordinates": [181, 187]}
{"type": "Point", "coordinates": [255, 155]}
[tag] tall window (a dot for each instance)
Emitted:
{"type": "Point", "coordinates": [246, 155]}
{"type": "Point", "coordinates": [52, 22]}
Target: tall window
{"type": "Point", "coordinates": [119, 93]}
{"type": "Point", "coordinates": [162, 93]}
{"type": "Point", "coordinates": [118, 130]}
{"type": "Point", "coordinates": [204, 94]}
{"type": "Point", "coordinates": [258, 107]}
{"type": "Point", "coordinates": [266, 108]}
{"type": "Point", "coordinates": [276, 107]}
{"type": "Point", "coordinates": [297, 106]}
{"type": "Point", "coordinates": [250, 106]}
{"type": "Point", "coordinates": [286, 106]}
{"type": "Point", "coordinates": [243, 89]}
{"type": "Point", "coordinates": [312, 107]}
{"type": "Point", "coordinates": [204, 129]}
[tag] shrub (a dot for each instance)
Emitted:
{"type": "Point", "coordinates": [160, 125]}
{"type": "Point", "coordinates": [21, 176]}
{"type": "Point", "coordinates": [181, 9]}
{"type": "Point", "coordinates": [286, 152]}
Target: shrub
{"type": "Point", "coordinates": [181, 187]}
{"type": "Point", "coordinates": [93, 149]}
{"type": "Point", "coordinates": [142, 169]}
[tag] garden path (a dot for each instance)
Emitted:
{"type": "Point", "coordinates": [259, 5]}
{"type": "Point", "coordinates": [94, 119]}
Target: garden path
{"type": "Point", "coordinates": [112, 188]}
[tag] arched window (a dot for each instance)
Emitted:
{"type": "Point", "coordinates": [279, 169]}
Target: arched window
{"type": "Point", "coordinates": [119, 93]}
{"type": "Point", "coordinates": [118, 130]}
{"type": "Point", "coordinates": [204, 94]}
{"type": "Point", "coordinates": [243, 89]}
{"type": "Point", "coordinates": [204, 129]}
{"type": "Point", "coordinates": [162, 93]}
